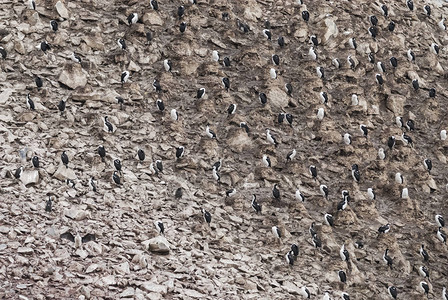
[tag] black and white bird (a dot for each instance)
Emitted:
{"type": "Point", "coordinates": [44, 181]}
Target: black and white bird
{"type": "Point", "coordinates": [108, 127]}
{"type": "Point", "coordinates": [311, 229]}
{"type": "Point", "coordinates": [391, 26]}
{"type": "Point", "coordinates": [441, 235]}
{"type": "Point", "coordinates": [35, 161]}
{"type": "Point", "coordinates": [415, 84]}
{"type": "Point", "coordinates": [444, 294]}
{"type": "Point", "coordinates": [289, 258]}
{"type": "Point", "coordinates": [182, 27]}
{"type": "Point", "coordinates": [435, 48]}
{"type": "Point", "coordinates": [30, 102]}
{"type": "Point", "coordinates": [329, 220]}
{"type": "Point", "coordinates": [76, 58]}
{"type": "Point", "coordinates": [156, 85]}
{"type": "Point", "coordinates": [263, 98]}
{"type": "Point", "coordinates": [276, 192]}
{"type": "Point", "coordinates": [132, 18]}
{"type": "Point", "coordinates": [373, 20]}
{"type": "Point", "coordinates": [342, 205]}
{"type": "Point", "coordinates": [207, 216]}
{"type": "Point", "coordinates": [371, 194]}
{"type": "Point", "coordinates": [154, 4]}
{"type": "Point", "coordinates": [3, 53]}
{"type": "Point", "coordinates": [345, 296]}
{"type": "Point", "coordinates": [384, 229]}
{"type": "Point", "coordinates": [276, 232]}
{"type": "Point", "coordinates": [439, 220]}
{"type": "Point", "coordinates": [385, 10]}
{"type": "Point", "coordinates": [373, 31]}
{"type": "Point", "coordinates": [352, 43]}
{"type": "Point", "coordinates": [441, 24]}
{"type": "Point", "coordinates": [121, 44]}
{"type": "Point", "coordinates": [18, 172]}
{"type": "Point", "coordinates": [305, 15]}
{"type": "Point", "coordinates": [342, 276]}
{"type": "Point", "coordinates": [391, 142]}
{"type": "Point", "coordinates": [423, 271]}
{"type": "Point", "coordinates": [160, 227]}
{"type": "Point", "coordinates": [371, 58]}
{"type": "Point", "coordinates": [355, 173]}
{"type": "Point", "coordinates": [281, 41]}
{"type": "Point", "coordinates": [410, 5]}
{"type": "Point", "coordinates": [124, 77]}
{"type": "Point", "coordinates": [314, 41]}
{"type": "Point", "coordinates": [295, 250]}
{"type": "Point", "coordinates": [399, 178]}
{"type": "Point", "coordinates": [32, 4]}
{"type": "Point", "coordinates": [92, 184]}
{"type": "Point", "coordinates": [424, 253]}
{"type": "Point", "coordinates": [231, 109]}
{"type": "Point", "coordinates": [54, 25]}
{"type": "Point", "coordinates": [381, 154]}
{"type": "Point", "coordinates": [324, 191]}
{"type": "Point", "coordinates": [364, 130]}
{"type": "Point", "coordinates": [275, 59]}
{"type": "Point", "coordinates": [226, 61]}
{"type": "Point", "coordinates": [61, 106]}
{"type": "Point", "coordinates": [159, 166]}
{"type": "Point", "coordinates": [404, 193]}
{"type": "Point", "coordinates": [291, 155]}
{"type": "Point", "coordinates": [326, 296]}
{"type": "Point", "coordinates": [64, 159]}
{"type": "Point", "coordinates": [381, 67]}
{"type": "Point", "coordinates": [379, 79]}
{"type": "Point", "coordinates": [387, 259]}
{"type": "Point", "coordinates": [399, 121]}
{"type": "Point", "coordinates": [288, 89]}
{"type": "Point", "coordinates": [320, 113]}
{"type": "Point", "coordinates": [345, 195]}
{"type": "Point", "coordinates": [273, 73]}
{"type": "Point", "coordinates": [141, 154]}
{"type": "Point", "coordinates": [44, 46]}
{"type": "Point", "coordinates": [313, 171]}
{"type": "Point", "coordinates": [428, 164]}
{"type": "Point", "coordinates": [245, 126]}
{"type": "Point", "coordinates": [226, 83]}
{"type": "Point", "coordinates": [432, 92]}
{"type": "Point", "coordinates": [317, 243]}
{"type": "Point", "coordinates": [347, 139]}
{"type": "Point", "coordinates": [323, 97]}
{"type": "Point", "coordinates": [267, 33]}
{"type": "Point", "coordinates": [299, 196]}
{"type": "Point", "coordinates": [393, 62]}
{"type": "Point", "coordinates": [167, 65]}
{"type": "Point", "coordinates": [304, 292]}
{"type": "Point", "coordinates": [255, 205]}
{"type": "Point", "coordinates": [117, 165]}
{"type": "Point", "coordinates": [407, 139]}
{"type": "Point", "coordinates": [180, 11]}
{"type": "Point", "coordinates": [216, 175]}
{"type": "Point", "coordinates": [320, 72]}
{"type": "Point", "coordinates": [289, 118]}
{"type": "Point", "coordinates": [49, 204]}
{"type": "Point", "coordinates": [102, 152]}
{"type": "Point", "coordinates": [160, 105]}
{"type": "Point", "coordinates": [335, 62]}
{"type": "Point", "coordinates": [427, 10]}
{"type": "Point", "coordinates": [210, 133]}
{"type": "Point", "coordinates": [200, 93]}
{"type": "Point", "coordinates": [312, 53]}
{"type": "Point", "coordinates": [343, 253]}
{"type": "Point", "coordinates": [411, 55]}
{"type": "Point", "coordinates": [270, 138]}
{"type": "Point", "coordinates": [392, 292]}
{"type": "Point", "coordinates": [180, 152]}
{"type": "Point", "coordinates": [71, 183]}
{"type": "Point", "coordinates": [424, 287]}
{"type": "Point", "coordinates": [266, 161]}
{"type": "Point", "coordinates": [351, 62]}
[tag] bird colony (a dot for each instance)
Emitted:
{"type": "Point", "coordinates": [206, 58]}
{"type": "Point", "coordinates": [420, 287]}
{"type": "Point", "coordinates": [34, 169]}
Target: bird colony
{"type": "Point", "coordinates": [223, 149]}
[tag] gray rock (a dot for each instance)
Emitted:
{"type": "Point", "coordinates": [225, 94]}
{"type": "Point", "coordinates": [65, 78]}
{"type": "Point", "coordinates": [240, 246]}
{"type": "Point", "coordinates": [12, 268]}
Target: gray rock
{"type": "Point", "coordinates": [25, 250]}
{"type": "Point", "coordinates": [158, 244]}
{"type": "Point", "coordinates": [62, 10]}
{"type": "Point", "coordinates": [29, 176]}
{"type": "Point", "coordinates": [73, 76]}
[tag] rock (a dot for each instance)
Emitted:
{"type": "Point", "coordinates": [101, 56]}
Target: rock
{"type": "Point", "coordinates": [123, 268]}
{"type": "Point", "coordinates": [152, 18]}
{"type": "Point", "coordinates": [154, 287]}
{"type": "Point", "coordinates": [29, 176]}
{"type": "Point", "coordinates": [332, 30]}
{"type": "Point", "coordinates": [4, 96]}
{"type": "Point", "coordinates": [63, 173]}
{"type": "Point", "coordinates": [159, 244]}
{"type": "Point", "coordinates": [239, 140]}
{"type": "Point", "coordinates": [91, 268]}
{"type": "Point", "coordinates": [109, 280]}
{"type": "Point", "coordinates": [62, 10]}
{"type": "Point", "coordinates": [76, 213]}
{"type": "Point", "coordinates": [291, 288]}
{"type": "Point", "coordinates": [128, 293]}
{"type": "Point", "coordinates": [395, 103]}
{"type": "Point", "coordinates": [73, 76]}
{"type": "Point", "coordinates": [277, 98]}
{"type": "Point", "coordinates": [253, 11]}
{"type": "Point", "coordinates": [25, 250]}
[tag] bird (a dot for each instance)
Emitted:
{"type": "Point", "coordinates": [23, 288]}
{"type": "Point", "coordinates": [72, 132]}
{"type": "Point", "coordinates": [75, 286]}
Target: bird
{"type": "Point", "coordinates": [76, 58]}
{"type": "Point", "coordinates": [299, 196]}
{"type": "Point", "coordinates": [276, 192]}
{"type": "Point", "coordinates": [174, 115]}
{"type": "Point", "coordinates": [324, 190]}
{"type": "Point", "coordinates": [167, 65]}
{"type": "Point", "coordinates": [423, 271]}
{"type": "Point", "coordinates": [399, 121]}
{"type": "Point", "coordinates": [381, 154]}
{"type": "Point", "coordinates": [141, 154]}
{"type": "Point", "coordinates": [180, 11]}
{"type": "Point", "coordinates": [326, 296]}
{"type": "Point", "coordinates": [384, 228]}
{"type": "Point", "coordinates": [117, 165]}
{"type": "Point", "coordinates": [35, 161]}
{"type": "Point", "coordinates": [342, 276]}
{"type": "Point", "coordinates": [210, 133]}
{"type": "Point", "coordinates": [444, 294]}
{"type": "Point", "coordinates": [347, 139]}
{"type": "Point", "coordinates": [92, 184]}
{"type": "Point", "coordinates": [387, 259]}
{"type": "Point", "coordinates": [159, 166]}
{"type": "Point", "coordinates": [30, 102]}
{"type": "Point", "coordinates": [320, 72]}
{"type": "Point", "coordinates": [423, 253]}
{"type": "Point", "coordinates": [432, 92]}
{"type": "Point", "coordinates": [288, 89]}
{"type": "Point", "coordinates": [160, 105]}
{"type": "Point", "coordinates": [226, 83]}
{"type": "Point", "coordinates": [427, 10]}
{"type": "Point", "coordinates": [364, 130]}
{"type": "Point", "coordinates": [245, 126]}
{"type": "Point", "coordinates": [178, 193]}
{"type": "Point", "coordinates": [439, 220]}
{"type": "Point", "coordinates": [121, 43]}
{"type": "Point", "coordinates": [281, 41]}
{"type": "Point", "coordinates": [323, 97]}
{"type": "Point", "coordinates": [428, 164]}
{"type": "Point", "coordinates": [329, 220]}
{"type": "Point", "coordinates": [407, 139]}
{"type": "Point", "coordinates": [48, 204]}
{"type": "Point", "coordinates": [305, 15]}
{"type": "Point", "coordinates": [415, 84]}
{"type": "Point", "coordinates": [160, 227]}
{"type": "Point", "coordinates": [64, 159]}
{"type": "Point", "coordinates": [316, 241]}
{"type": "Point", "coordinates": [392, 292]}
{"type": "Point", "coordinates": [289, 119]}
{"type": "Point", "coordinates": [373, 20]}
{"type": "Point", "coordinates": [78, 240]}
{"type": "Point", "coordinates": [399, 178]}
{"type": "Point", "coordinates": [320, 113]}
{"type": "Point", "coordinates": [132, 18]}
{"type": "Point", "coordinates": [391, 26]}
{"type": "Point", "coordinates": [148, 37]}
{"type": "Point", "coordinates": [345, 296]}
{"type": "Point", "coordinates": [352, 43]}
{"type": "Point", "coordinates": [345, 195]}
{"type": "Point", "coordinates": [231, 109]}
{"type": "Point", "coordinates": [311, 229]}
{"type": "Point", "coordinates": [215, 55]}
{"type": "Point", "coordinates": [267, 33]}
{"type": "Point", "coordinates": [443, 135]}
{"type": "Point", "coordinates": [38, 81]}
{"type": "Point", "coordinates": [216, 175]}
{"type": "Point", "coordinates": [32, 4]}
{"type": "Point", "coordinates": [404, 193]}
{"type": "Point", "coordinates": [44, 46]}
{"type": "Point", "coordinates": [156, 85]}
{"type": "Point", "coordinates": [441, 235]}
{"type": "Point", "coordinates": [342, 205]}
{"type": "Point", "coordinates": [289, 258]}
{"type": "Point", "coordinates": [410, 5]}
{"type": "Point", "coordinates": [154, 4]}
{"type": "Point", "coordinates": [61, 106]}
{"type": "Point", "coordinates": [381, 67]}
{"type": "Point", "coordinates": [116, 178]}
{"type": "Point", "coordinates": [180, 152]}
{"type": "Point", "coordinates": [54, 25]}
{"type": "Point", "coordinates": [226, 61]}
{"type": "Point", "coordinates": [371, 194]}
{"type": "Point", "coordinates": [275, 59]}
{"type": "Point", "coordinates": [124, 77]}
{"type": "Point", "coordinates": [391, 142]}
{"type": "Point", "coordinates": [335, 62]}
{"type": "Point", "coordinates": [217, 165]}
{"type": "Point", "coordinates": [355, 172]}
{"type": "Point", "coordinates": [373, 31]}
{"type": "Point", "coordinates": [255, 205]}
{"type": "Point", "coordinates": [18, 172]}
{"type": "Point", "coordinates": [441, 24]}
{"type": "Point", "coordinates": [393, 62]}
{"type": "Point", "coordinates": [313, 171]}
{"type": "Point", "coordinates": [379, 79]}
{"type": "Point", "coordinates": [423, 285]}
{"type": "Point", "coordinates": [270, 138]}
{"type": "Point", "coordinates": [410, 125]}
{"type": "Point", "coordinates": [351, 62]}
{"type": "Point", "coordinates": [108, 127]}
{"type": "Point", "coordinates": [273, 73]}
{"type": "Point", "coordinates": [182, 27]}
{"type": "Point", "coordinates": [314, 41]}
{"type": "Point", "coordinates": [263, 98]}
{"type": "Point", "coordinates": [385, 10]}
{"type": "Point", "coordinates": [343, 253]}
{"type": "Point", "coordinates": [411, 55]}
{"type": "Point", "coordinates": [266, 161]}
{"type": "Point", "coordinates": [435, 48]}
{"type": "Point", "coordinates": [102, 152]}
{"type": "Point", "coordinates": [3, 53]}
{"type": "Point", "coordinates": [312, 53]}
{"type": "Point", "coordinates": [304, 292]}
{"type": "Point", "coordinates": [71, 183]}
{"type": "Point", "coordinates": [276, 232]}
{"type": "Point", "coordinates": [291, 155]}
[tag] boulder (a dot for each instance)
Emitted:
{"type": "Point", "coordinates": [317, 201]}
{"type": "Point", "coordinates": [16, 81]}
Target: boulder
{"type": "Point", "coordinates": [62, 10]}
{"type": "Point", "coordinates": [159, 244]}
{"type": "Point", "coordinates": [73, 76]}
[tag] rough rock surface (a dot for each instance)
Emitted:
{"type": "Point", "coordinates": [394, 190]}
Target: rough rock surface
{"type": "Point", "coordinates": [236, 257]}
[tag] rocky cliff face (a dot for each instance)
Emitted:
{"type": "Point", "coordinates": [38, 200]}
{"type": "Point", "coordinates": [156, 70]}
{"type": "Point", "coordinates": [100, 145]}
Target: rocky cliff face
{"type": "Point", "coordinates": [237, 256]}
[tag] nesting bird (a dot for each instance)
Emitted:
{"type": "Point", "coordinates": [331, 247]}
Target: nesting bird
{"type": "Point", "coordinates": [210, 133]}
{"type": "Point", "coordinates": [411, 55]}
{"type": "Point", "coordinates": [387, 259]}
{"type": "Point", "coordinates": [266, 161]}
{"type": "Point", "coordinates": [276, 232]}
{"type": "Point", "coordinates": [132, 18]}
{"type": "Point", "coordinates": [329, 220]}
{"type": "Point", "coordinates": [255, 205]}
{"type": "Point", "coordinates": [270, 138]}
{"type": "Point", "coordinates": [207, 216]}
{"type": "Point", "coordinates": [323, 97]}
{"type": "Point", "coordinates": [343, 253]}
{"type": "Point", "coordinates": [324, 191]}
{"type": "Point", "coordinates": [384, 229]}
{"type": "Point", "coordinates": [108, 127]}
{"type": "Point", "coordinates": [124, 77]}
{"type": "Point", "coordinates": [320, 113]}
{"type": "Point", "coordinates": [371, 194]}
{"type": "Point", "coordinates": [441, 235]}
{"type": "Point", "coordinates": [276, 192]}
{"type": "Point", "coordinates": [312, 53]}
{"type": "Point", "coordinates": [54, 25]}
{"type": "Point", "coordinates": [355, 173]}
{"type": "Point", "coordinates": [352, 43]}
{"type": "Point", "coordinates": [364, 130]}
{"type": "Point", "coordinates": [435, 48]}
{"type": "Point", "coordinates": [267, 33]}
{"type": "Point", "coordinates": [273, 73]}
{"type": "Point", "coordinates": [291, 155]}
{"type": "Point", "coordinates": [439, 220]}
{"type": "Point", "coordinates": [226, 83]}
{"type": "Point", "coordinates": [231, 109]}
{"type": "Point", "coordinates": [30, 102]}
{"type": "Point", "coordinates": [392, 292]}
{"type": "Point", "coordinates": [313, 171]}
{"type": "Point", "coordinates": [180, 152]}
